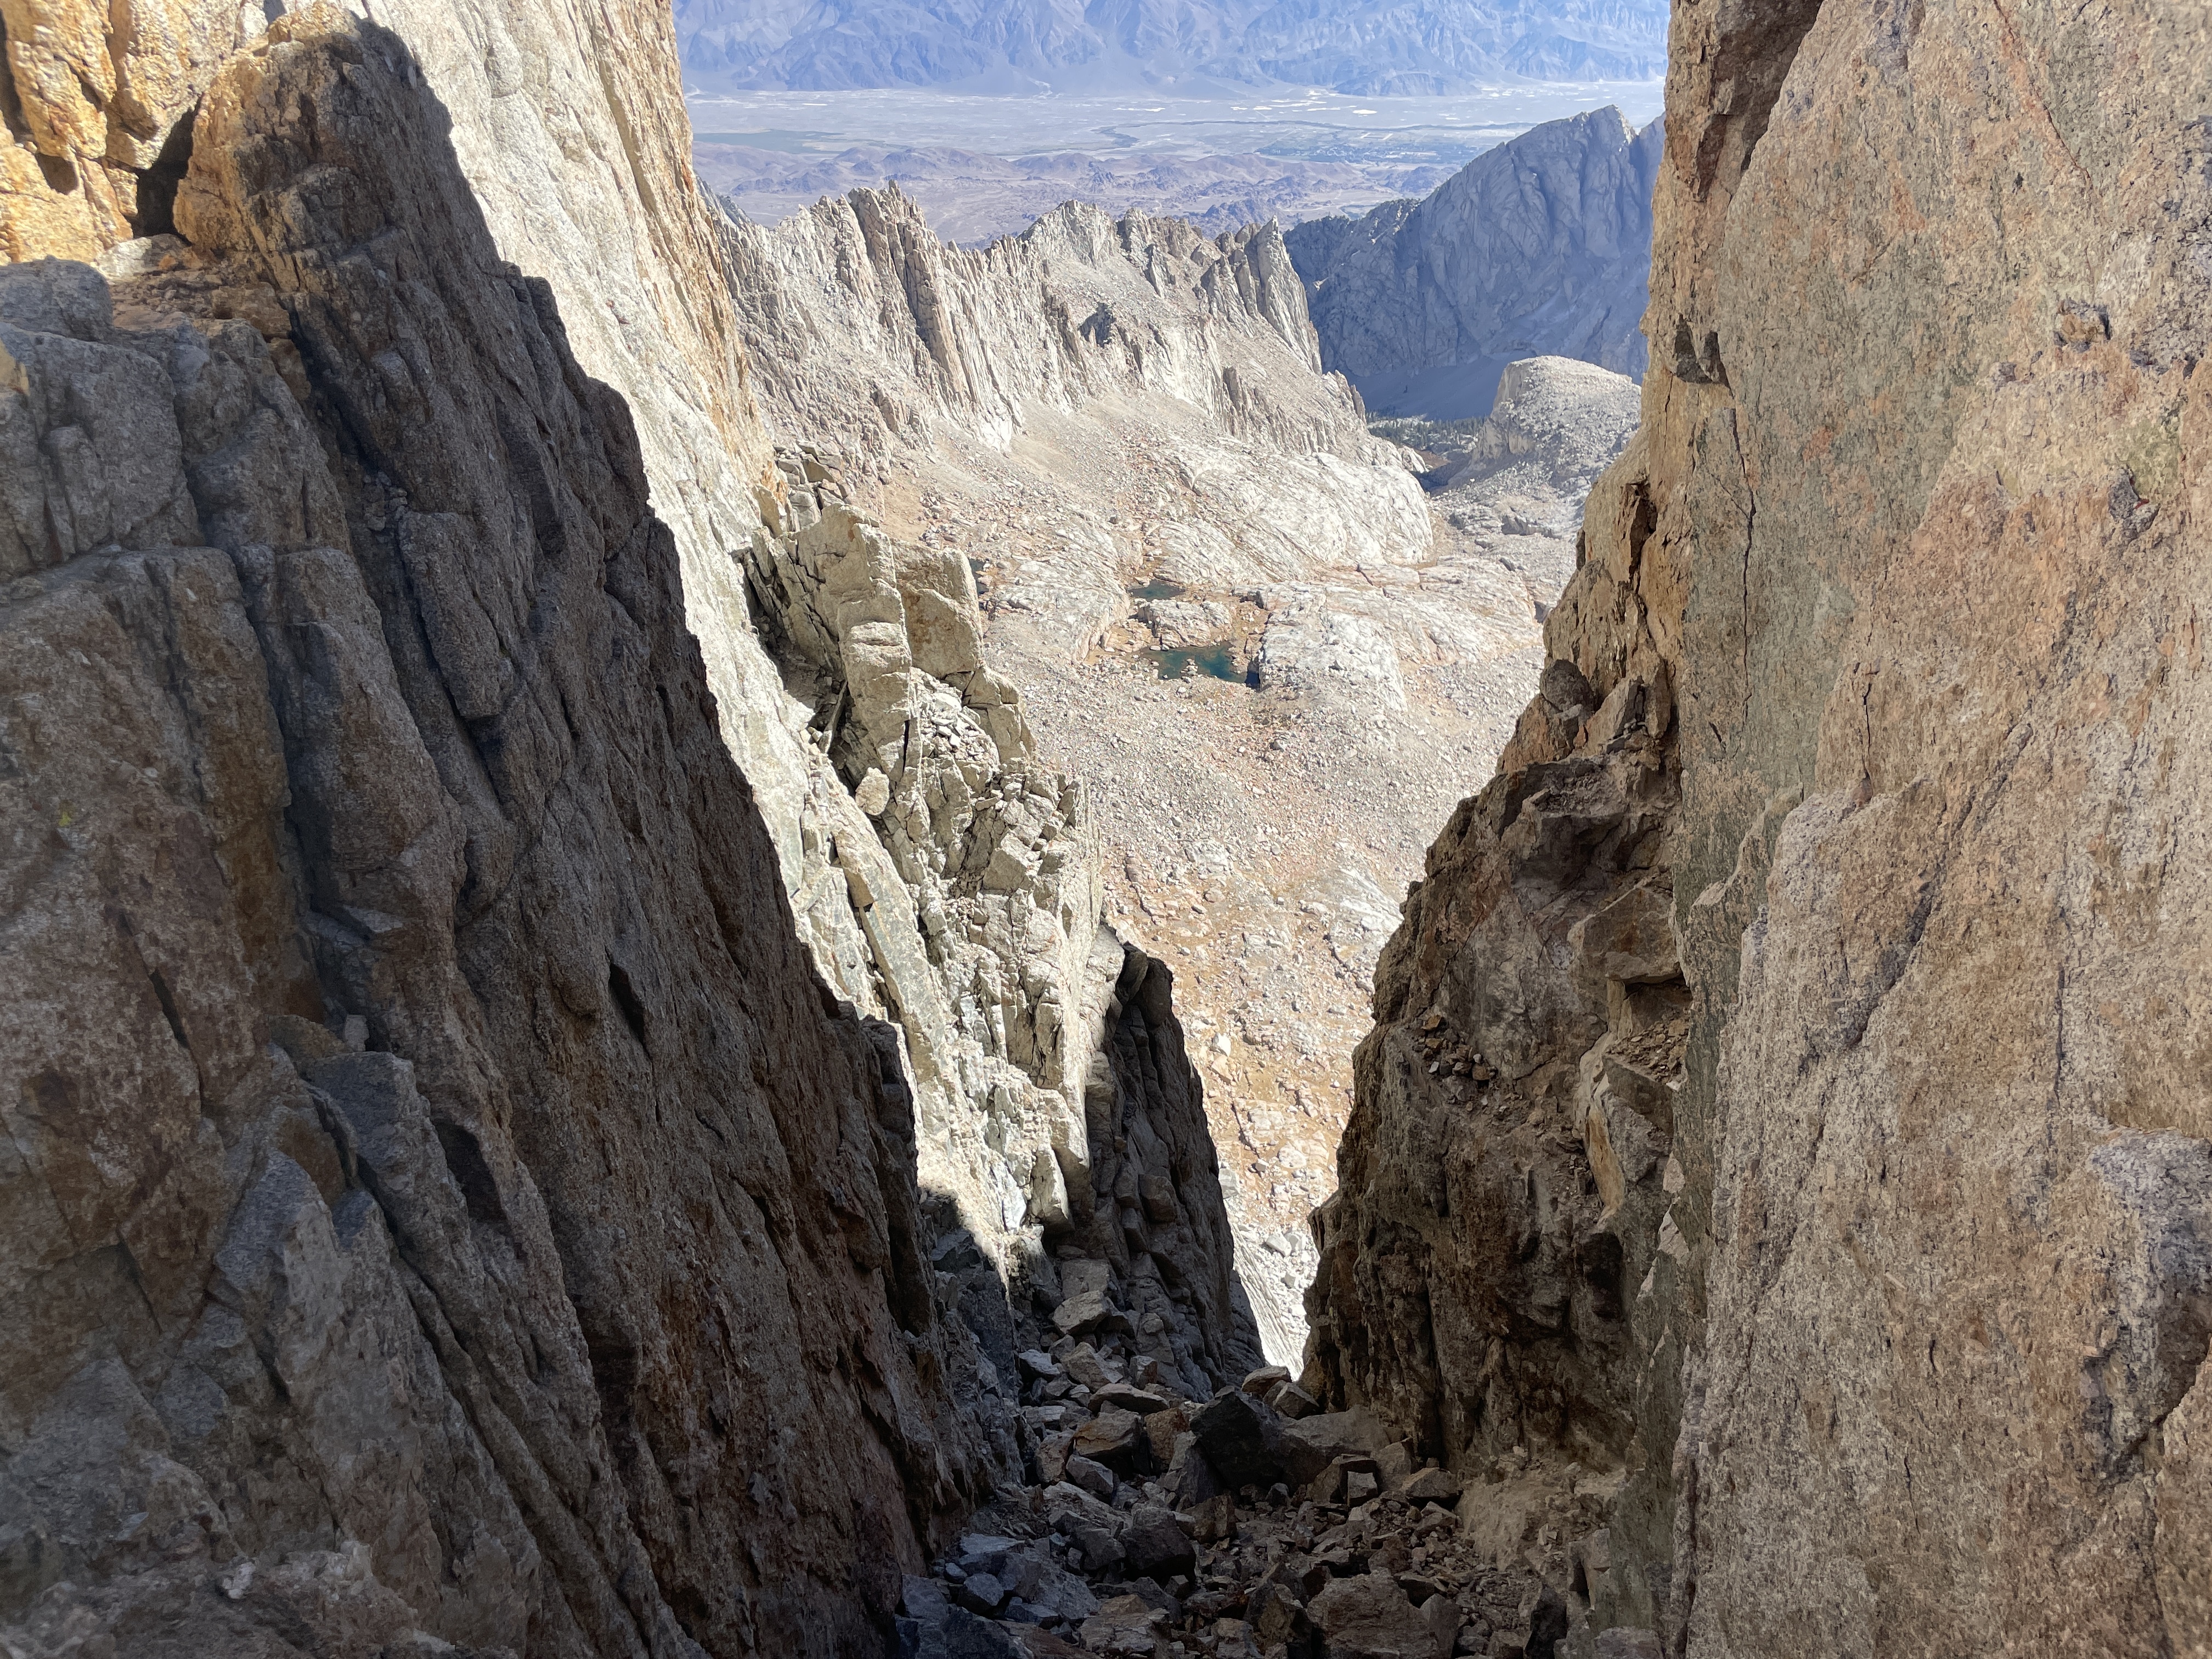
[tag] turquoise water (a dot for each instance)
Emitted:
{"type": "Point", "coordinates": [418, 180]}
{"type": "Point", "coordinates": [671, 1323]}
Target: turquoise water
{"type": "Point", "coordinates": [1159, 588]}
{"type": "Point", "coordinates": [1216, 661]}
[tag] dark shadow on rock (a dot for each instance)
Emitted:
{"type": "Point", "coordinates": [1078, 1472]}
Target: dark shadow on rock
{"type": "Point", "coordinates": [555, 1281]}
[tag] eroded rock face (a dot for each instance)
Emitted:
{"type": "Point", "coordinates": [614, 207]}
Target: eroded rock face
{"type": "Point", "coordinates": [446, 1201]}
{"type": "Point", "coordinates": [1900, 572]}
{"type": "Point", "coordinates": [958, 895]}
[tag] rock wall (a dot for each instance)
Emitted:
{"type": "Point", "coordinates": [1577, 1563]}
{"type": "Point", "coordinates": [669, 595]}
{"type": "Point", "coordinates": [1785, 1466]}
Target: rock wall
{"type": "Point", "coordinates": [1828, 919]}
{"type": "Point", "coordinates": [959, 894]}
{"type": "Point", "coordinates": [456, 1209]}
{"type": "Point", "coordinates": [447, 1205]}
{"type": "Point", "coordinates": [1540, 247]}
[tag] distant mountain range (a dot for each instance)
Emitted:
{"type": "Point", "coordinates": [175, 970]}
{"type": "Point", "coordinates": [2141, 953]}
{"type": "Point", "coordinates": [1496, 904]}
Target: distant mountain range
{"type": "Point", "coordinates": [1539, 248]}
{"type": "Point", "coordinates": [1366, 47]}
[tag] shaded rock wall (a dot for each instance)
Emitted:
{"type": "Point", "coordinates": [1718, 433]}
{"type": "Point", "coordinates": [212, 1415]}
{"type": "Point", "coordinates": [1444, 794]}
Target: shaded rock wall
{"type": "Point", "coordinates": [1908, 1355]}
{"type": "Point", "coordinates": [1539, 247]}
{"type": "Point", "coordinates": [446, 1201]}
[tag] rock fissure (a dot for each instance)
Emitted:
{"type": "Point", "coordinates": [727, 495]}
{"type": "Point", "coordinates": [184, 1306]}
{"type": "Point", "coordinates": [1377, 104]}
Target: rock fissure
{"type": "Point", "coordinates": [533, 1020]}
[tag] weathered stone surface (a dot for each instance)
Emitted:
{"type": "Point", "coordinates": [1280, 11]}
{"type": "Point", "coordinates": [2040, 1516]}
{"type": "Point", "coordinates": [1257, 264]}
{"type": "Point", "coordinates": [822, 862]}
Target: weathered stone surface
{"type": "Point", "coordinates": [1429, 1486]}
{"type": "Point", "coordinates": [1091, 1475]}
{"type": "Point", "coordinates": [980, 1592]}
{"type": "Point", "coordinates": [1311, 1443]}
{"type": "Point", "coordinates": [1904, 1182]}
{"type": "Point", "coordinates": [1241, 1438]}
{"type": "Point", "coordinates": [505, 1298]}
{"type": "Point", "coordinates": [1369, 1616]}
{"type": "Point", "coordinates": [1114, 1437]}
{"type": "Point", "coordinates": [1157, 1547]}
{"type": "Point", "coordinates": [1290, 1402]}
{"type": "Point", "coordinates": [1126, 1624]}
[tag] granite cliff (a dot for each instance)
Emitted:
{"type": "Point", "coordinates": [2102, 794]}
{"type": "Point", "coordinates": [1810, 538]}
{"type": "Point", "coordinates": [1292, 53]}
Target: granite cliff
{"type": "Point", "coordinates": [1539, 248]}
{"type": "Point", "coordinates": [485, 1169]}
{"type": "Point", "coordinates": [435, 1157]}
{"type": "Point", "coordinates": [1778, 1181]}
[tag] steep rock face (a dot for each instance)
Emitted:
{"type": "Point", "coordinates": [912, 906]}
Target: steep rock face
{"type": "Point", "coordinates": [1540, 247]}
{"type": "Point", "coordinates": [1509, 1157]}
{"type": "Point", "coordinates": [446, 1201]}
{"type": "Point", "coordinates": [1902, 568]}
{"type": "Point", "coordinates": [959, 896]}
{"type": "Point", "coordinates": [568, 124]}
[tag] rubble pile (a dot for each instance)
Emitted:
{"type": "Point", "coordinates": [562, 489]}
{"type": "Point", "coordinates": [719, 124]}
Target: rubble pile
{"type": "Point", "coordinates": [1256, 1526]}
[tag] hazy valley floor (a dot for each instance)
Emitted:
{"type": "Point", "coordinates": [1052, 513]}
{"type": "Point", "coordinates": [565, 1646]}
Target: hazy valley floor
{"type": "Point", "coordinates": [983, 166]}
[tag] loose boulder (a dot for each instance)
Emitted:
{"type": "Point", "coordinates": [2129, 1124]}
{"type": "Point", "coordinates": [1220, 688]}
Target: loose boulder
{"type": "Point", "coordinates": [1116, 1439]}
{"type": "Point", "coordinates": [1369, 1617]}
{"type": "Point", "coordinates": [1241, 1438]}
{"type": "Point", "coordinates": [1311, 1443]}
{"type": "Point", "coordinates": [1156, 1546]}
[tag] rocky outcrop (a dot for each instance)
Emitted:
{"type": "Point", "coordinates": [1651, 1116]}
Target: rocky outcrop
{"type": "Point", "coordinates": [1540, 247]}
{"type": "Point", "coordinates": [1827, 912]}
{"type": "Point", "coordinates": [958, 895]}
{"type": "Point", "coordinates": [448, 1206]}
{"type": "Point", "coordinates": [572, 138]}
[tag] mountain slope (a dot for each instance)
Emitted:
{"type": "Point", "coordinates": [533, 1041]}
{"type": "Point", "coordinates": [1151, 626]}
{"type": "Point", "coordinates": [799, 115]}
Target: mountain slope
{"type": "Point", "coordinates": [1541, 247]}
{"type": "Point", "coordinates": [1373, 47]}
